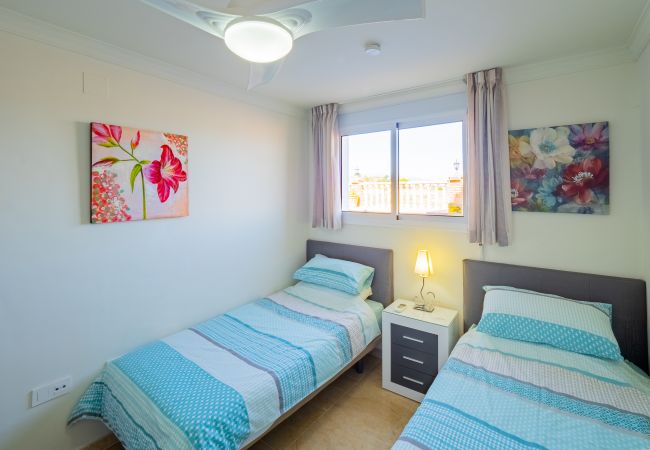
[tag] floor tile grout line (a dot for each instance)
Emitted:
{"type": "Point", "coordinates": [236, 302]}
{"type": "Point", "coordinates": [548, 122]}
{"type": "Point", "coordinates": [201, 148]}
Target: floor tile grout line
{"type": "Point", "coordinates": [327, 410]}
{"type": "Point", "coordinates": [320, 417]}
{"type": "Point", "coordinates": [311, 425]}
{"type": "Point", "coordinates": [293, 441]}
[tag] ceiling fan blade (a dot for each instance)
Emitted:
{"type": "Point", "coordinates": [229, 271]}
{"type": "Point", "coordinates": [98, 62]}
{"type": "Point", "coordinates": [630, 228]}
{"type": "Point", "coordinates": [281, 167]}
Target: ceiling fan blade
{"type": "Point", "coordinates": [263, 73]}
{"type": "Point", "coordinates": [342, 13]}
{"type": "Point", "coordinates": [206, 19]}
{"type": "Point", "coordinates": [216, 5]}
{"type": "Point", "coordinates": [270, 6]}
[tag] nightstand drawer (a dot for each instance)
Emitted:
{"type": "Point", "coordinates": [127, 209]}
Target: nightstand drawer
{"type": "Point", "coordinates": [426, 363]}
{"type": "Point", "coordinates": [415, 339]}
{"type": "Point", "coordinates": [410, 378]}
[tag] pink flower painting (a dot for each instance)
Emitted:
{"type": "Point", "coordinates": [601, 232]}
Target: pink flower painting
{"type": "Point", "coordinates": [166, 174]}
{"type": "Point", "coordinates": [137, 174]}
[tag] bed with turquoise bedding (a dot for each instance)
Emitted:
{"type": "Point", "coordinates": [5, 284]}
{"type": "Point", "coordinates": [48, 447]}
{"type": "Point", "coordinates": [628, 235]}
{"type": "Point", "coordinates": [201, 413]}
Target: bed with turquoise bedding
{"type": "Point", "coordinates": [547, 366]}
{"type": "Point", "coordinates": [496, 393]}
{"type": "Point", "coordinates": [224, 382]}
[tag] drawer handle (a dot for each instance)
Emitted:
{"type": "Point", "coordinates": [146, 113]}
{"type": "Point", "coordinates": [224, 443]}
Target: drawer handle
{"type": "Point", "coordinates": [413, 380]}
{"type": "Point", "coordinates": [413, 359]}
{"type": "Point", "coordinates": [419, 341]}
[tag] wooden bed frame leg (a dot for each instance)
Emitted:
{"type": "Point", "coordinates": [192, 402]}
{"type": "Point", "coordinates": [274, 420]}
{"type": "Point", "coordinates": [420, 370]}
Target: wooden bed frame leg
{"type": "Point", "coordinates": [359, 366]}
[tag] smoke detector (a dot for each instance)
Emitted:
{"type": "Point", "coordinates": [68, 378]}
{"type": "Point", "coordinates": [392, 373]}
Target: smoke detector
{"type": "Point", "coordinates": [373, 49]}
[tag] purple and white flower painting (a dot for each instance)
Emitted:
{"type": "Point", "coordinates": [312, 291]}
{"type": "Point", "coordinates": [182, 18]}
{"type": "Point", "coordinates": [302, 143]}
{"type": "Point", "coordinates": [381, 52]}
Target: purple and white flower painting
{"type": "Point", "coordinates": [563, 169]}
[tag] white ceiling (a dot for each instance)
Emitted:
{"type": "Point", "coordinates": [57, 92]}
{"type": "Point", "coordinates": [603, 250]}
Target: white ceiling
{"type": "Point", "coordinates": [456, 37]}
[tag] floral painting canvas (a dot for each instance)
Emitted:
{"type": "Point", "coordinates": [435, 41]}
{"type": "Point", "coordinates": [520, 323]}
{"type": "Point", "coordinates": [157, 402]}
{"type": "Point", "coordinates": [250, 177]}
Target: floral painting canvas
{"type": "Point", "coordinates": [562, 169]}
{"type": "Point", "coordinates": [137, 174]}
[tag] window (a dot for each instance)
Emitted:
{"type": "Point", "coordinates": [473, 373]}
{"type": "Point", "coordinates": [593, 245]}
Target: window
{"type": "Point", "coordinates": [426, 159]}
{"type": "Point", "coordinates": [367, 172]}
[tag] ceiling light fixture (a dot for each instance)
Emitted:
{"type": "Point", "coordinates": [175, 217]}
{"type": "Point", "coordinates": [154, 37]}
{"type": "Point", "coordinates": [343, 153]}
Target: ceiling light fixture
{"type": "Point", "coordinates": [258, 39]}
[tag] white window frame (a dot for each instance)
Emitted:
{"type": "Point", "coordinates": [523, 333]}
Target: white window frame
{"type": "Point", "coordinates": [394, 218]}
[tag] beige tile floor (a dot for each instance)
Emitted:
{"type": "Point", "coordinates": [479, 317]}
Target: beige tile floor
{"type": "Point", "coordinates": [354, 412]}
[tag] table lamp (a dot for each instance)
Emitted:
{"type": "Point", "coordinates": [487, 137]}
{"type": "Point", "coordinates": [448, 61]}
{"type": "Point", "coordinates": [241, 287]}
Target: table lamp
{"type": "Point", "coordinates": [424, 269]}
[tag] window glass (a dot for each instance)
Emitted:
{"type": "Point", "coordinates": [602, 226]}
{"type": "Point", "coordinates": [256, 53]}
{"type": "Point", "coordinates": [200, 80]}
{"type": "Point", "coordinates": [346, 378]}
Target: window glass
{"type": "Point", "coordinates": [366, 172]}
{"type": "Point", "coordinates": [431, 170]}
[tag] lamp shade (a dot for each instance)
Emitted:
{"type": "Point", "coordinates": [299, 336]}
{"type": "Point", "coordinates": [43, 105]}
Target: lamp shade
{"type": "Point", "coordinates": [423, 265]}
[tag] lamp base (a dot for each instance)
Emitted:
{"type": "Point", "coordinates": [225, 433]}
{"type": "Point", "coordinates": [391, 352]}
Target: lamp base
{"type": "Point", "coordinates": [425, 308]}
{"type": "Point", "coordinates": [423, 303]}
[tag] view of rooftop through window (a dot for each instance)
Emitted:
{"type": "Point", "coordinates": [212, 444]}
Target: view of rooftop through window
{"type": "Point", "coordinates": [366, 172]}
{"type": "Point", "coordinates": [430, 168]}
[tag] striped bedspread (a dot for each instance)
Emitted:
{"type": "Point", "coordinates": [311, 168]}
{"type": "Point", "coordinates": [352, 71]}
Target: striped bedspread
{"type": "Point", "coordinates": [498, 393]}
{"type": "Point", "coordinates": [222, 383]}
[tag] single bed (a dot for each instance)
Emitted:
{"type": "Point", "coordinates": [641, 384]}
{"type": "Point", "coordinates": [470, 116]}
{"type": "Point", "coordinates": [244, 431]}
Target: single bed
{"type": "Point", "coordinates": [495, 392]}
{"type": "Point", "coordinates": [224, 383]}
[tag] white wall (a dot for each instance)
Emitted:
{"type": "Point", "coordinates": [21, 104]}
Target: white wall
{"type": "Point", "coordinates": [597, 244]}
{"type": "Point", "coordinates": [644, 77]}
{"type": "Point", "coordinates": [73, 295]}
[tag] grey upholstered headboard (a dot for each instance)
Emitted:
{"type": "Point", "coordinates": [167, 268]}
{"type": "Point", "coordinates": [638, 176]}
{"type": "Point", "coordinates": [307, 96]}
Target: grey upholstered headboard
{"type": "Point", "coordinates": [627, 296]}
{"type": "Point", "coordinates": [379, 258]}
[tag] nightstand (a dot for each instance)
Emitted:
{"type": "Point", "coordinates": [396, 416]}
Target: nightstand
{"type": "Point", "coordinates": [415, 345]}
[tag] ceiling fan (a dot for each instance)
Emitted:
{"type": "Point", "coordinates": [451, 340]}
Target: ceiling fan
{"type": "Point", "coordinates": [262, 31]}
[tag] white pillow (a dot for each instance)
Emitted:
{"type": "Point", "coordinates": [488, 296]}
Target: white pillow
{"type": "Point", "coordinates": [546, 319]}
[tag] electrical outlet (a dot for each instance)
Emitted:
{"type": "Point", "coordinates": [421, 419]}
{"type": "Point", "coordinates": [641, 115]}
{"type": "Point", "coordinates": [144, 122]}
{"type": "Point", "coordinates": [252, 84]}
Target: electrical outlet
{"type": "Point", "coordinates": [49, 391]}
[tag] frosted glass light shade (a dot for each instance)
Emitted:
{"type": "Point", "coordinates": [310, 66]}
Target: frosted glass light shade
{"type": "Point", "coordinates": [423, 265]}
{"type": "Point", "coordinates": [258, 39]}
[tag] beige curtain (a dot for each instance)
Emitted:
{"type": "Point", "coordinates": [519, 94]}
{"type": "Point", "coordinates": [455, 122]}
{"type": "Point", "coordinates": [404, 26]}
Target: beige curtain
{"type": "Point", "coordinates": [488, 183]}
{"type": "Point", "coordinates": [327, 167]}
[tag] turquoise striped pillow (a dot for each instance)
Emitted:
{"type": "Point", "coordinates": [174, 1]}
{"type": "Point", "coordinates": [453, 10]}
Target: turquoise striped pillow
{"type": "Point", "coordinates": [345, 276]}
{"type": "Point", "coordinates": [546, 319]}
